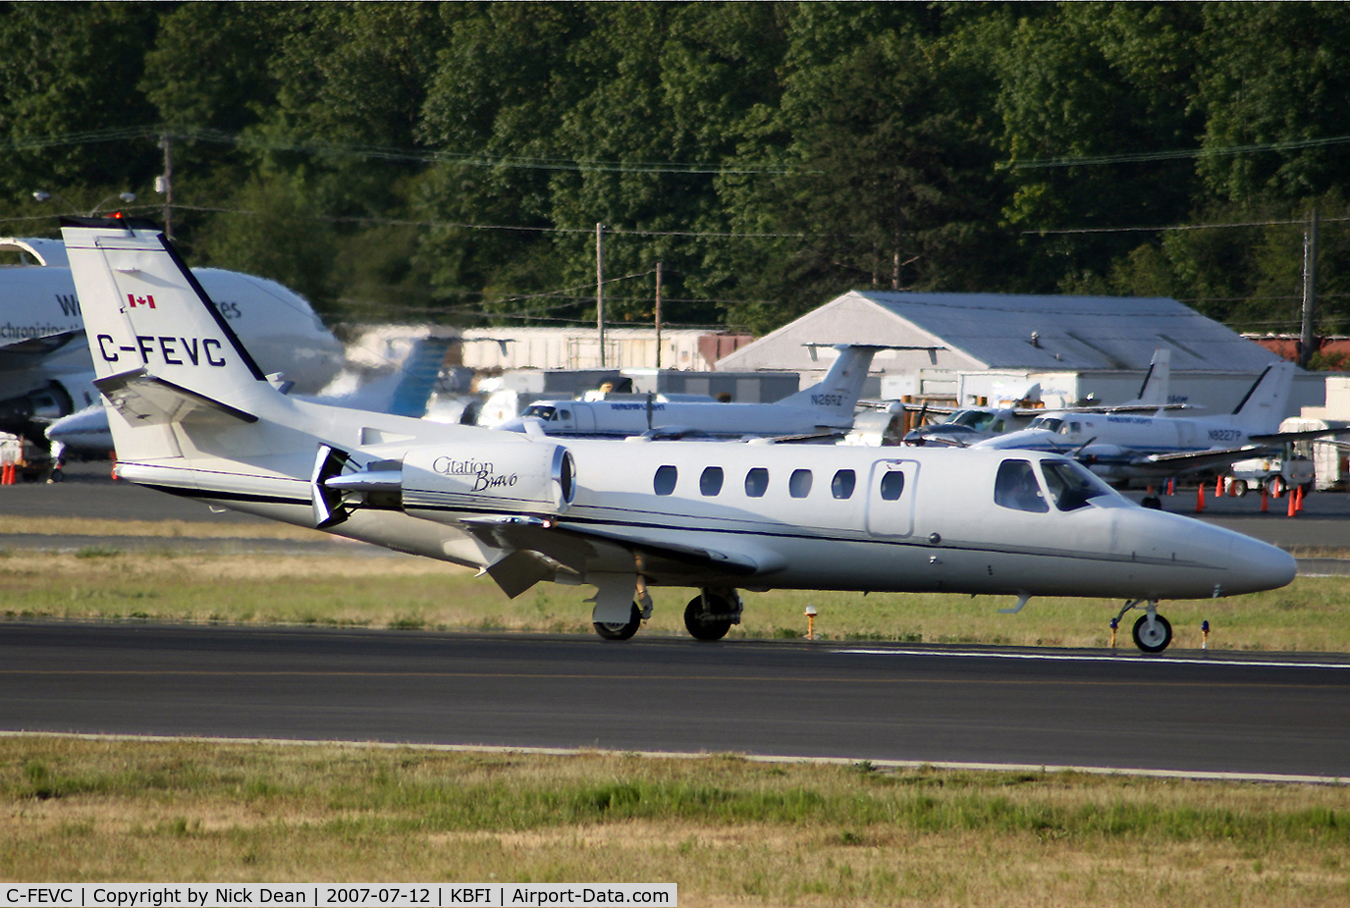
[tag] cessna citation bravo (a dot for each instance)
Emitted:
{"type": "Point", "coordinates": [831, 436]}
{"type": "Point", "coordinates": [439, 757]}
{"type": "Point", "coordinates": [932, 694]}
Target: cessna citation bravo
{"type": "Point", "coordinates": [193, 415]}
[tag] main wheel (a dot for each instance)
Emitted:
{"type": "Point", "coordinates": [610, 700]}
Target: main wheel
{"type": "Point", "coordinates": [712, 625]}
{"type": "Point", "coordinates": [617, 631]}
{"type": "Point", "coordinates": [1154, 637]}
{"type": "Point", "coordinates": [1238, 488]}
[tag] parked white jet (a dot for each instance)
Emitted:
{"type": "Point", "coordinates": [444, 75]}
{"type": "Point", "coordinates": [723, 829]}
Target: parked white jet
{"type": "Point", "coordinates": [193, 415]}
{"type": "Point", "coordinates": [45, 367]}
{"type": "Point", "coordinates": [1121, 447]}
{"type": "Point", "coordinates": [969, 425]}
{"type": "Point", "coordinates": [823, 408]}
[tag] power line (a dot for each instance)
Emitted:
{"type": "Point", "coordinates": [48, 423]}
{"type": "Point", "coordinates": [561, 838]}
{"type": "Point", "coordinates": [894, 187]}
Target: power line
{"type": "Point", "coordinates": [397, 155]}
{"type": "Point", "coordinates": [1177, 227]}
{"type": "Point", "coordinates": [1177, 154]}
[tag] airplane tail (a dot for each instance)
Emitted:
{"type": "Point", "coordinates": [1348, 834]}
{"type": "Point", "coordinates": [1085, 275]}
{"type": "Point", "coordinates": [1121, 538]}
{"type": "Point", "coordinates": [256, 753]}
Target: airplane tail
{"type": "Point", "coordinates": [1265, 404]}
{"type": "Point", "coordinates": [162, 351]}
{"type": "Point", "coordinates": [407, 391]}
{"type": "Point", "coordinates": [1158, 380]}
{"type": "Point", "coordinates": [835, 397]}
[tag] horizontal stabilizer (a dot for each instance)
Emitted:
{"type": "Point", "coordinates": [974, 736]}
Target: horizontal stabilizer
{"type": "Point", "coordinates": [144, 399]}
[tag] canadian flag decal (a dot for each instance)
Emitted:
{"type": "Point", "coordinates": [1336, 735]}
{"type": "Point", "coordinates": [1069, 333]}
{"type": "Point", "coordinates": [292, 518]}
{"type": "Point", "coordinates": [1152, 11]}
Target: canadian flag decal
{"type": "Point", "coordinates": [133, 300]}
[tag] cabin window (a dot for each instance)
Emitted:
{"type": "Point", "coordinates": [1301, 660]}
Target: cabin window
{"type": "Point", "coordinates": [842, 484]}
{"type": "Point", "coordinates": [710, 483]}
{"type": "Point", "coordinates": [799, 484]}
{"type": "Point", "coordinates": [892, 484]}
{"type": "Point", "coordinates": [1016, 487]}
{"type": "Point", "coordinates": [665, 480]}
{"type": "Point", "coordinates": [756, 482]}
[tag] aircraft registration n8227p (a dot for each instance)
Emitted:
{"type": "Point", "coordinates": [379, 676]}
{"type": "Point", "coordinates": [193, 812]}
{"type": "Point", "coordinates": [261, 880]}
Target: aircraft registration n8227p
{"type": "Point", "coordinates": [193, 415]}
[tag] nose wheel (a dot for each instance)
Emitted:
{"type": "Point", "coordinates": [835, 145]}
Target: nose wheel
{"type": "Point", "coordinates": [1152, 632]}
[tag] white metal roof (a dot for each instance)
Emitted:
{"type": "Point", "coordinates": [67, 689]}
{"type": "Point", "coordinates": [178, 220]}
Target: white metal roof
{"type": "Point", "coordinates": [1078, 333]}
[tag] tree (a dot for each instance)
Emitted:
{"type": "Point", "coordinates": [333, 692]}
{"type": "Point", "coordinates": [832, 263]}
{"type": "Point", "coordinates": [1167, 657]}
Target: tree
{"type": "Point", "coordinates": [71, 70]}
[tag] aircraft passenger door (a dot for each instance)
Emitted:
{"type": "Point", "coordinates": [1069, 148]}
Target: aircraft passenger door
{"type": "Point", "coordinates": [890, 497]}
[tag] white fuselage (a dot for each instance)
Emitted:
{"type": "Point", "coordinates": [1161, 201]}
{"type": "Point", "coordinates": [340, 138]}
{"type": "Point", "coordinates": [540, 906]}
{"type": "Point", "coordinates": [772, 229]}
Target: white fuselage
{"type": "Point", "coordinates": [624, 418]}
{"type": "Point", "coordinates": [943, 531]}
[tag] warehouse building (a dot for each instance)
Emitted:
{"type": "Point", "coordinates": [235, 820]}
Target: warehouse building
{"type": "Point", "coordinates": [1003, 347]}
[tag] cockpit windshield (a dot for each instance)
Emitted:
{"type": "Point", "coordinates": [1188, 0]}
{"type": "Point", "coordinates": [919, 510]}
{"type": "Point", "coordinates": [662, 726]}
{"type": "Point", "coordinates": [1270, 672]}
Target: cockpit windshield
{"type": "Point", "coordinates": [1071, 484]}
{"type": "Point", "coordinates": [540, 411]}
{"type": "Point", "coordinates": [979, 420]}
{"type": "Point", "coordinates": [1048, 423]}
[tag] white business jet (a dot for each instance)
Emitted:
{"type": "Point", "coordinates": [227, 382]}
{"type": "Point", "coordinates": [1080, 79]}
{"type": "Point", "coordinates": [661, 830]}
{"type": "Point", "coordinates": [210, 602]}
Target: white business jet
{"type": "Point", "coordinates": [45, 368]}
{"type": "Point", "coordinates": [193, 415]}
{"type": "Point", "coordinates": [823, 409]}
{"type": "Point", "coordinates": [1120, 447]}
{"type": "Point", "coordinates": [968, 425]}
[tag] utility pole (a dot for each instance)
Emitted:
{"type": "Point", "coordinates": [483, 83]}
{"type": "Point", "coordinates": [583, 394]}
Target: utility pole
{"type": "Point", "coordinates": [164, 185]}
{"type": "Point", "coordinates": [658, 315]}
{"type": "Point", "coordinates": [600, 288]}
{"type": "Point", "coordinates": [1309, 289]}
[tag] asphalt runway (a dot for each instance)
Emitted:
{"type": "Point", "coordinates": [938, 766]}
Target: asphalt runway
{"type": "Point", "coordinates": [1221, 713]}
{"type": "Point", "coordinates": [1225, 714]}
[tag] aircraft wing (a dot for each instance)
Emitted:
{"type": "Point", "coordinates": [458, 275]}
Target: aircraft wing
{"type": "Point", "coordinates": [535, 548]}
{"type": "Point", "coordinates": [28, 352]}
{"type": "Point", "coordinates": [1278, 438]}
{"type": "Point", "coordinates": [146, 400]}
{"type": "Point", "coordinates": [1179, 462]}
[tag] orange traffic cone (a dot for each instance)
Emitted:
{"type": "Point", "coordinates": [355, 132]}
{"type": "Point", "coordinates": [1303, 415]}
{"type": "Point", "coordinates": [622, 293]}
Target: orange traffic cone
{"type": "Point", "coordinates": [1199, 498]}
{"type": "Point", "coordinates": [1298, 499]}
{"type": "Point", "coordinates": [1292, 509]}
{"type": "Point", "coordinates": [1171, 486]}
{"type": "Point", "coordinates": [1218, 487]}
{"type": "Point", "coordinates": [1265, 498]}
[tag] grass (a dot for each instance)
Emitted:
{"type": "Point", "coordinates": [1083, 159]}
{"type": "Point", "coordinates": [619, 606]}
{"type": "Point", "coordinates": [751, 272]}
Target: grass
{"type": "Point", "coordinates": [418, 593]}
{"type": "Point", "coordinates": [729, 831]}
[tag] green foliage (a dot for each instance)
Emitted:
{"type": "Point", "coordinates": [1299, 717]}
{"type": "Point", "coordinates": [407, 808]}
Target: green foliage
{"type": "Point", "coordinates": [450, 161]}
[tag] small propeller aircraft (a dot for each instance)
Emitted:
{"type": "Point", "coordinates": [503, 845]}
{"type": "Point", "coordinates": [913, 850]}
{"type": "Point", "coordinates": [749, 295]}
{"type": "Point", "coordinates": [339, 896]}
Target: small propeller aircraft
{"type": "Point", "coordinates": [1121, 447]}
{"type": "Point", "coordinates": [193, 415]}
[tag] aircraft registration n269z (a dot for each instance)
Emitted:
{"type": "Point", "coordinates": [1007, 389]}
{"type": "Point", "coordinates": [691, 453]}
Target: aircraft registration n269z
{"type": "Point", "coordinates": [621, 516]}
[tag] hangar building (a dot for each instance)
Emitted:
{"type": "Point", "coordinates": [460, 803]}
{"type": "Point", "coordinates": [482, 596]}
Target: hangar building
{"type": "Point", "coordinates": [1002, 346]}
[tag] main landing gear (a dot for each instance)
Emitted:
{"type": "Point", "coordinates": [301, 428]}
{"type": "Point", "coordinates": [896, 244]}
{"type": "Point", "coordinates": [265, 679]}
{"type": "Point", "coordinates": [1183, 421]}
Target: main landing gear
{"type": "Point", "coordinates": [1152, 632]}
{"type": "Point", "coordinates": [708, 616]}
{"type": "Point", "coordinates": [620, 630]}
{"type": "Point", "coordinates": [711, 613]}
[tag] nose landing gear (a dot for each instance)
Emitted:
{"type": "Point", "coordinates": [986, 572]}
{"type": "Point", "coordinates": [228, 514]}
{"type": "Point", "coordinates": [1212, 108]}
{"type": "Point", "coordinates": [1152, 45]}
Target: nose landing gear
{"type": "Point", "coordinates": [1152, 632]}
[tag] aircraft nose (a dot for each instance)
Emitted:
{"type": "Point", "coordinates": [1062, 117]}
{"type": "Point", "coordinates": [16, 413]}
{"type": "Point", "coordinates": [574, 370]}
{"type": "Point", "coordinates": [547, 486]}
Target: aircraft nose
{"type": "Point", "coordinates": [1259, 566]}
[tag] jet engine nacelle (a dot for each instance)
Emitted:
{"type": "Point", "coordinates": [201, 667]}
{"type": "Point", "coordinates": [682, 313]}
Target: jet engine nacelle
{"type": "Point", "coordinates": [18, 414]}
{"type": "Point", "coordinates": [444, 482]}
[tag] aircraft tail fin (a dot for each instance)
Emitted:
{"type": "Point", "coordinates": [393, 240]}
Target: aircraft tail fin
{"type": "Point", "coordinates": [837, 393]}
{"type": "Point", "coordinates": [407, 390]}
{"type": "Point", "coordinates": [1158, 380]}
{"type": "Point", "coordinates": [1266, 401]}
{"type": "Point", "coordinates": [162, 351]}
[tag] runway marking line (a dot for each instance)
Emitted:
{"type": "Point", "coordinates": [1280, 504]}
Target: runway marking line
{"type": "Point", "coordinates": [748, 679]}
{"type": "Point", "coordinates": [1072, 657]}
